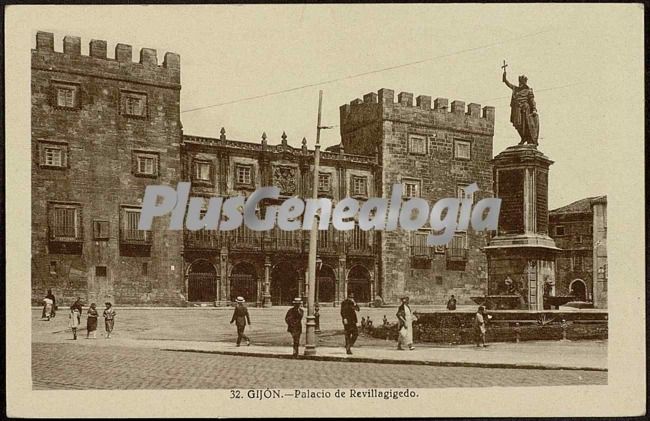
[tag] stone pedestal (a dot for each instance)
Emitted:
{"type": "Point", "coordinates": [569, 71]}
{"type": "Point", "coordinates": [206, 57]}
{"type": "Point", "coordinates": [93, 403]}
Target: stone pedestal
{"type": "Point", "coordinates": [522, 250]}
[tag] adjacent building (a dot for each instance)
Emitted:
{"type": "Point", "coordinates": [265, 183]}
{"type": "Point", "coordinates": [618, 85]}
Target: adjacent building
{"type": "Point", "coordinates": [580, 230]}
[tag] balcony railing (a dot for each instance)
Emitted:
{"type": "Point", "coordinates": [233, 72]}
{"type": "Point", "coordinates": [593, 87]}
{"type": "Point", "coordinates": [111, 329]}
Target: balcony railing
{"type": "Point", "coordinates": [203, 239]}
{"type": "Point", "coordinates": [421, 251]}
{"type": "Point", "coordinates": [359, 242]}
{"type": "Point", "coordinates": [286, 240]}
{"type": "Point", "coordinates": [328, 241]}
{"type": "Point", "coordinates": [133, 236]}
{"type": "Point", "coordinates": [456, 254]}
{"type": "Point", "coordinates": [65, 233]}
{"type": "Point", "coordinates": [244, 238]}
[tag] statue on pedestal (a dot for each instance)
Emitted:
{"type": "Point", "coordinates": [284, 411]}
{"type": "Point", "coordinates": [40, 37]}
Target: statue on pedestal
{"type": "Point", "coordinates": [523, 112]}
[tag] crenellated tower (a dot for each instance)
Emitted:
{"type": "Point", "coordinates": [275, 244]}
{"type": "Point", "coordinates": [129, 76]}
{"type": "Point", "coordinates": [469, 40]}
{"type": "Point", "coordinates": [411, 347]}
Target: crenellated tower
{"type": "Point", "coordinates": [433, 150]}
{"type": "Point", "coordinates": [103, 128]}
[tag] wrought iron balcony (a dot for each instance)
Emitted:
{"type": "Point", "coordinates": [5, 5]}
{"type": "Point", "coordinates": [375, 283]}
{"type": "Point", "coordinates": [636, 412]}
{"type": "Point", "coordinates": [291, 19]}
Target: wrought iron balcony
{"type": "Point", "coordinates": [422, 251]}
{"type": "Point", "coordinates": [133, 236]}
{"type": "Point", "coordinates": [456, 254]}
{"type": "Point", "coordinates": [65, 233]}
{"type": "Point", "coordinates": [203, 239]}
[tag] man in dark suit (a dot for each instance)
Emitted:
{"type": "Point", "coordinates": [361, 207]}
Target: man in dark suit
{"type": "Point", "coordinates": [294, 324]}
{"type": "Point", "coordinates": [240, 317]}
{"type": "Point", "coordinates": [349, 315]}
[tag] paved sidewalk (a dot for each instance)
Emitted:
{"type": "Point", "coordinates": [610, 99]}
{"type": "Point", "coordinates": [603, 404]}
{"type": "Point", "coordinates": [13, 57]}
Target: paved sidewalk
{"type": "Point", "coordinates": [579, 355]}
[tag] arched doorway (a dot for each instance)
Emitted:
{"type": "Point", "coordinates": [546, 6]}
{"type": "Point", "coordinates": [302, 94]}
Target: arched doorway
{"type": "Point", "coordinates": [326, 284]}
{"type": "Point", "coordinates": [201, 281]}
{"type": "Point", "coordinates": [243, 282]}
{"type": "Point", "coordinates": [359, 283]}
{"type": "Point", "coordinates": [284, 283]}
{"type": "Point", "coordinates": [578, 289]}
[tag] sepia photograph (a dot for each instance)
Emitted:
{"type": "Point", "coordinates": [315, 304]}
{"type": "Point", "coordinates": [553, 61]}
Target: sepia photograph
{"type": "Point", "coordinates": [365, 209]}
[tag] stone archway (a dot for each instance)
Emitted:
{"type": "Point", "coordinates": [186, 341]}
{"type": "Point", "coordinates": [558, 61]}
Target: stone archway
{"type": "Point", "coordinates": [326, 286]}
{"type": "Point", "coordinates": [284, 283]}
{"type": "Point", "coordinates": [201, 281]}
{"type": "Point", "coordinates": [359, 280]}
{"type": "Point", "coordinates": [243, 282]}
{"type": "Point", "coordinates": [578, 288]}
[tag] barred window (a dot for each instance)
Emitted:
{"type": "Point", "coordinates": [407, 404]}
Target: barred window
{"type": "Point", "coordinates": [65, 221]}
{"type": "Point", "coordinates": [129, 229]}
{"type": "Point", "coordinates": [419, 245]}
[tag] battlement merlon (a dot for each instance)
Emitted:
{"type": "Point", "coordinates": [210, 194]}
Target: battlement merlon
{"type": "Point", "coordinates": [384, 104]}
{"type": "Point", "coordinates": [146, 70]}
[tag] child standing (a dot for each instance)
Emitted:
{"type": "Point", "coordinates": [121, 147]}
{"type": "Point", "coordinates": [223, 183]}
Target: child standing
{"type": "Point", "coordinates": [91, 323]}
{"type": "Point", "coordinates": [75, 321]}
{"type": "Point", "coordinates": [109, 319]}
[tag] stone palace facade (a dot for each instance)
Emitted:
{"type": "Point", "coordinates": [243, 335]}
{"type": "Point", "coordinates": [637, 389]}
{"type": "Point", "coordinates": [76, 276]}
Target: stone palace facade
{"type": "Point", "coordinates": [105, 128]}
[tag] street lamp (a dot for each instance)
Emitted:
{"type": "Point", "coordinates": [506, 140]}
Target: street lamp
{"type": "Point", "coordinates": [310, 337]}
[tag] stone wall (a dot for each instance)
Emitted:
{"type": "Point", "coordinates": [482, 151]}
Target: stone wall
{"type": "Point", "coordinates": [100, 176]}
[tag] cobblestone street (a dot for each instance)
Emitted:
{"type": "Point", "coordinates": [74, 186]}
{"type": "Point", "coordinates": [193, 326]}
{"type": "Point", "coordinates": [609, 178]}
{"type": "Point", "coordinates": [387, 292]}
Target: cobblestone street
{"type": "Point", "coordinates": [67, 366]}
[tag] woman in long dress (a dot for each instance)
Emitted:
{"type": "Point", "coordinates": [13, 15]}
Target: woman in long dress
{"type": "Point", "coordinates": [91, 322]}
{"type": "Point", "coordinates": [405, 325]}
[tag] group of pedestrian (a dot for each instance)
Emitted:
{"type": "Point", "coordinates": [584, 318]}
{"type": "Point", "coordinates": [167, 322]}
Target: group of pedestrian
{"type": "Point", "coordinates": [76, 310]}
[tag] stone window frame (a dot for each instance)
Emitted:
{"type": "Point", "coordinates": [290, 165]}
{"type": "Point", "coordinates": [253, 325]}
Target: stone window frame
{"type": "Point", "coordinates": [62, 147]}
{"type": "Point", "coordinates": [327, 176]}
{"type": "Point", "coordinates": [419, 241]}
{"type": "Point", "coordinates": [126, 94]}
{"type": "Point", "coordinates": [556, 233]}
{"type": "Point", "coordinates": [460, 192]}
{"type": "Point", "coordinates": [101, 230]}
{"type": "Point", "coordinates": [412, 150]}
{"type": "Point", "coordinates": [126, 230]}
{"type": "Point", "coordinates": [353, 189]}
{"type": "Point", "coordinates": [458, 142]}
{"type": "Point", "coordinates": [244, 184]}
{"type": "Point", "coordinates": [75, 87]}
{"type": "Point", "coordinates": [196, 162]}
{"type": "Point", "coordinates": [137, 154]}
{"type": "Point", "coordinates": [52, 217]}
{"type": "Point", "coordinates": [417, 182]}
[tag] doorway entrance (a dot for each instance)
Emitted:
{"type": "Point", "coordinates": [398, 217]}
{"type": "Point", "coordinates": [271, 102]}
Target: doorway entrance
{"type": "Point", "coordinates": [284, 284]}
{"type": "Point", "coordinates": [201, 281]}
{"type": "Point", "coordinates": [578, 289]}
{"type": "Point", "coordinates": [326, 285]}
{"type": "Point", "coordinates": [243, 282]}
{"type": "Point", "coordinates": [359, 284]}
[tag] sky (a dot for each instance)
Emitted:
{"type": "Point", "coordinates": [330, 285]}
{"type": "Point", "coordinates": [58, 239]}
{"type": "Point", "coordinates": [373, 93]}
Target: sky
{"type": "Point", "coordinates": [584, 63]}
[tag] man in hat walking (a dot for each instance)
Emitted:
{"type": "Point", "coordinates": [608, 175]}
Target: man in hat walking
{"type": "Point", "coordinates": [294, 324]}
{"type": "Point", "coordinates": [349, 316]}
{"type": "Point", "coordinates": [240, 317]}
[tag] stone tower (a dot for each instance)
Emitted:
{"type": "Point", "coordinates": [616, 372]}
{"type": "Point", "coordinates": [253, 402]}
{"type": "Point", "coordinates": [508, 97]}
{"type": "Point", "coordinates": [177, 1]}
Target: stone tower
{"type": "Point", "coordinates": [433, 148]}
{"type": "Point", "coordinates": [522, 250]}
{"type": "Point", "coordinates": [103, 128]}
